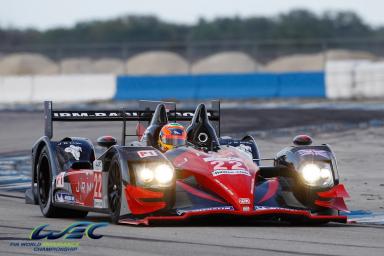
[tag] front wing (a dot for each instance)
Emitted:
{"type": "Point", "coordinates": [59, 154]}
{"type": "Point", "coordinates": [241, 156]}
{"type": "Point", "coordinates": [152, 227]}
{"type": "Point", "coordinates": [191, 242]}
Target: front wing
{"type": "Point", "coordinates": [193, 204]}
{"type": "Point", "coordinates": [259, 214]}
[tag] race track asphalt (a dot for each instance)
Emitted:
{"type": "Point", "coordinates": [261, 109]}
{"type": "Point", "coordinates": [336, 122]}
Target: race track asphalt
{"type": "Point", "coordinates": [359, 152]}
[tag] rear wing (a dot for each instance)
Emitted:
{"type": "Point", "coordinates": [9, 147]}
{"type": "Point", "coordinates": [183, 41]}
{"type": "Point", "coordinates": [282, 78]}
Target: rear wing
{"type": "Point", "coordinates": [143, 114]}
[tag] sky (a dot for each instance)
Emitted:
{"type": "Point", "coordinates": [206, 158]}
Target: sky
{"type": "Point", "coordinates": [45, 14]}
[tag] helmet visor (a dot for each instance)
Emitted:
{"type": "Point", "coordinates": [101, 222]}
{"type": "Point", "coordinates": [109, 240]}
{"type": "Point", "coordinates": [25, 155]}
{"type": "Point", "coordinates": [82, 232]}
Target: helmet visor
{"type": "Point", "coordinates": [174, 141]}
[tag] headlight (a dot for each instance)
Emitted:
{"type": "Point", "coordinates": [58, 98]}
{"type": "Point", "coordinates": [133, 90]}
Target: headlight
{"type": "Point", "coordinates": [164, 173]}
{"type": "Point", "coordinates": [317, 175]}
{"type": "Point", "coordinates": [155, 174]}
{"type": "Point", "coordinates": [146, 175]}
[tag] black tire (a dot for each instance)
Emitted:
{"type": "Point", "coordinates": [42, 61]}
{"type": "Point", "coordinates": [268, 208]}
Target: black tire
{"type": "Point", "coordinates": [44, 191]}
{"type": "Point", "coordinates": [114, 190]}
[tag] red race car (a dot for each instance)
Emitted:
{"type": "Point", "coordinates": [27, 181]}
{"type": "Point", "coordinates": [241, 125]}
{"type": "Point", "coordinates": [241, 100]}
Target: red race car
{"type": "Point", "coordinates": [207, 177]}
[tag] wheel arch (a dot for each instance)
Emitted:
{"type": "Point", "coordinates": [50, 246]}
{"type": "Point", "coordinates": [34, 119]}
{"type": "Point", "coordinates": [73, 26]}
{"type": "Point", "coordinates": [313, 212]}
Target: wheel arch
{"type": "Point", "coordinates": [107, 158]}
{"type": "Point", "coordinates": [36, 152]}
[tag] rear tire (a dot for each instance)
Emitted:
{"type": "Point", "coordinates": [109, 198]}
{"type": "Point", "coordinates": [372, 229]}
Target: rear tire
{"type": "Point", "coordinates": [114, 190]}
{"type": "Point", "coordinates": [44, 191]}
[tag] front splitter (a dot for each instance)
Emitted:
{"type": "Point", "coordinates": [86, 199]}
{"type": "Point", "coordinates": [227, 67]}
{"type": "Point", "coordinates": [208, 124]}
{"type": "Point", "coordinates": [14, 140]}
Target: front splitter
{"type": "Point", "coordinates": [261, 214]}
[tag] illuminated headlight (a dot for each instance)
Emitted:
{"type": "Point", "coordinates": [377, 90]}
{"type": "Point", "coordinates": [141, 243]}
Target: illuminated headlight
{"type": "Point", "coordinates": [146, 175]}
{"type": "Point", "coordinates": [317, 175]}
{"type": "Point", "coordinates": [164, 173]}
{"type": "Point", "coordinates": [156, 175]}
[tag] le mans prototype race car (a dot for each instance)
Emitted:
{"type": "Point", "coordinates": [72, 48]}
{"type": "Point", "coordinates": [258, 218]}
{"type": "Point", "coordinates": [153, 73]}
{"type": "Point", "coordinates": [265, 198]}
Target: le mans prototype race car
{"type": "Point", "coordinates": [211, 177]}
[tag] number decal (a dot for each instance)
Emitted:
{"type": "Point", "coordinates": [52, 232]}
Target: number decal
{"type": "Point", "coordinates": [98, 186]}
{"type": "Point", "coordinates": [218, 165]}
{"type": "Point", "coordinates": [232, 165]}
{"type": "Point", "coordinates": [60, 180]}
{"type": "Point", "coordinates": [236, 165]}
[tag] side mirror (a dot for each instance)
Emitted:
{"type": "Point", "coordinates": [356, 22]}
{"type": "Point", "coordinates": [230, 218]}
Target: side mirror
{"type": "Point", "coordinates": [106, 141]}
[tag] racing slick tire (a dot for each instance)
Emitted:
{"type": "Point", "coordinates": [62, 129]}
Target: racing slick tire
{"type": "Point", "coordinates": [44, 193]}
{"type": "Point", "coordinates": [114, 190]}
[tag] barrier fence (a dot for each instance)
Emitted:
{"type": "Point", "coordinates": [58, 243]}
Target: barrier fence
{"type": "Point", "coordinates": [354, 79]}
{"type": "Point", "coordinates": [341, 80]}
{"type": "Point", "coordinates": [222, 86]}
{"type": "Point", "coordinates": [77, 88]}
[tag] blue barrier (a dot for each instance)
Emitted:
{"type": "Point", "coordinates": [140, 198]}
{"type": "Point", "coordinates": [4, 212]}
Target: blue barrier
{"type": "Point", "coordinates": [222, 86]}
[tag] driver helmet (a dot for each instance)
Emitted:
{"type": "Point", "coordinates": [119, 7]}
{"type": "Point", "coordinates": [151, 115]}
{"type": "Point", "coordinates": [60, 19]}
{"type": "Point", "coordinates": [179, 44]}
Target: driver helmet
{"type": "Point", "coordinates": [172, 135]}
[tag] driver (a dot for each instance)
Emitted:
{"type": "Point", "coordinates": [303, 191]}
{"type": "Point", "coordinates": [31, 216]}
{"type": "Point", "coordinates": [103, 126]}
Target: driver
{"type": "Point", "coordinates": [172, 135]}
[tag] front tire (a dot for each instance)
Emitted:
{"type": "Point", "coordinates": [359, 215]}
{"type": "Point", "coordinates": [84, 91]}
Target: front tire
{"type": "Point", "coordinates": [44, 185]}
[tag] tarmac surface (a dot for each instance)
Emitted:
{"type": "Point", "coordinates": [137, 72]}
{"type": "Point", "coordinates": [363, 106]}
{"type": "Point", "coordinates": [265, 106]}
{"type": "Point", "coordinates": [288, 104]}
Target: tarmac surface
{"type": "Point", "coordinates": [356, 138]}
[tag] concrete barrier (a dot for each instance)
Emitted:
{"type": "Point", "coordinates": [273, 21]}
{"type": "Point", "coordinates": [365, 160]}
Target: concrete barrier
{"type": "Point", "coordinates": [17, 89]}
{"type": "Point", "coordinates": [60, 88]}
{"type": "Point", "coordinates": [369, 80]}
{"type": "Point", "coordinates": [354, 79]}
{"type": "Point", "coordinates": [73, 88]}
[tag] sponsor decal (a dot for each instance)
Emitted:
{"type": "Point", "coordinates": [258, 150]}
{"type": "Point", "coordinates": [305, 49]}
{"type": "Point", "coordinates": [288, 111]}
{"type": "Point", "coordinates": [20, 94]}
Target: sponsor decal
{"type": "Point", "coordinates": [60, 180]}
{"type": "Point", "coordinates": [220, 208]}
{"type": "Point", "coordinates": [68, 143]}
{"type": "Point", "coordinates": [312, 152]}
{"type": "Point", "coordinates": [246, 209]}
{"type": "Point", "coordinates": [84, 187]}
{"type": "Point", "coordinates": [98, 203]}
{"type": "Point", "coordinates": [74, 150]}
{"type": "Point", "coordinates": [230, 172]}
{"type": "Point", "coordinates": [98, 165]}
{"type": "Point", "coordinates": [91, 114]}
{"type": "Point", "coordinates": [62, 197]}
{"type": "Point", "coordinates": [244, 201]}
{"type": "Point", "coordinates": [273, 208]}
{"type": "Point", "coordinates": [147, 153]}
{"type": "Point", "coordinates": [223, 159]}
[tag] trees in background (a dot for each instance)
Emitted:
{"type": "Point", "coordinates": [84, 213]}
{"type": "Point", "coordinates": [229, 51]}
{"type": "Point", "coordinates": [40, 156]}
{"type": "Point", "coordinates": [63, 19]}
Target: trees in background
{"type": "Point", "coordinates": [296, 24]}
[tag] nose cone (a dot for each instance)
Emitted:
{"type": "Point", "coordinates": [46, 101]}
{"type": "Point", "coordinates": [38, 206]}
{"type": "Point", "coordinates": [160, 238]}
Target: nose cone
{"type": "Point", "coordinates": [236, 187]}
{"type": "Point", "coordinates": [224, 173]}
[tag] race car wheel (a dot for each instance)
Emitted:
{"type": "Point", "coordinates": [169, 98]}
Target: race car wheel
{"type": "Point", "coordinates": [44, 184]}
{"type": "Point", "coordinates": [114, 190]}
{"type": "Point", "coordinates": [44, 187]}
